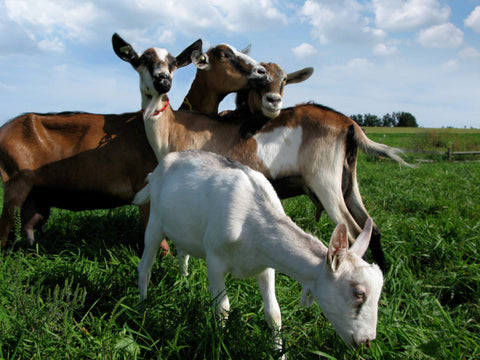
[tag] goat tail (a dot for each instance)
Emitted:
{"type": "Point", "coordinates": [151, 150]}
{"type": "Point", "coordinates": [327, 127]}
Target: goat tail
{"type": "Point", "coordinates": [143, 196]}
{"type": "Point", "coordinates": [373, 148]}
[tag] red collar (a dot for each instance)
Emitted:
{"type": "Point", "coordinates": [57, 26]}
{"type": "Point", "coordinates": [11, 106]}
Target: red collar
{"type": "Point", "coordinates": [162, 109]}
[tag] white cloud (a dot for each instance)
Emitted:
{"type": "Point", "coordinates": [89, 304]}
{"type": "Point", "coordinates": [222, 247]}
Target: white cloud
{"type": "Point", "coordinates": [385, 50]}
{"type": "Point", "coordinates": [359, 64]}
{"type": "Point", "coordinates": [410, 14]}
{"type": "Point", "coordinates": [441, 36]}
{"type": "Point", "coordinates": [451, 65]}
{"type": "Point", "coordinates": [242, 15]}
{"type": "Point", "coordinates": [49, 16]}
{"type": "Point", "coordinates": [469, 53]}
{"type": "Point", "coordinates": [54, 45]}
{"type": "Point", "coordinates": [145, 20]}
{"type": "Point", "coordinates": [340, 22]}
{"type": "Point", "coordinates": [304, 51]}
{"type": "Point", "coordinates": [473, 20]}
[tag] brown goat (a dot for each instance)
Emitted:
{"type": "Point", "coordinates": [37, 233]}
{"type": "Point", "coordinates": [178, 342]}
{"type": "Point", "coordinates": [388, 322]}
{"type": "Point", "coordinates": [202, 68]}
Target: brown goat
{"type": "Point", "coordinates": [81, 161]}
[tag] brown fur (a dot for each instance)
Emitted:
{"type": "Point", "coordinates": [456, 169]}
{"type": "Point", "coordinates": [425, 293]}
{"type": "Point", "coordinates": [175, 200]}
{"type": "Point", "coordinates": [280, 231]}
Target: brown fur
{"type": "Point", "coordinates": [70, 161]}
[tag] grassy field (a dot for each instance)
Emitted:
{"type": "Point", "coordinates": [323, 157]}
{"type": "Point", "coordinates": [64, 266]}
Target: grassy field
{"type": "Point", "coordinates": [74, 295]}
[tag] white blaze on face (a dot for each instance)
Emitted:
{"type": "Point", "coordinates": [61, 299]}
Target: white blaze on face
{"type": "Point", "coordinates": [162, 55]}
{"type": "Point", "coordinates": [247, 59]}
{"type": "Point", "coordinates": [278, 149]}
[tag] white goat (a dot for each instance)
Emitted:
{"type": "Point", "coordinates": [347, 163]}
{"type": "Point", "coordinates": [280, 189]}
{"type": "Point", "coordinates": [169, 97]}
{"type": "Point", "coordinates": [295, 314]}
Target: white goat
{"type": "Point", "coordinates": [228, 214]}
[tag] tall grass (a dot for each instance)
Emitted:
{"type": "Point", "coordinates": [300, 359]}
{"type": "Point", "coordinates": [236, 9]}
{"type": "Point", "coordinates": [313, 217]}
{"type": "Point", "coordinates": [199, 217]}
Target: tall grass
{"type": "Point", "coordinates": [74, 294]}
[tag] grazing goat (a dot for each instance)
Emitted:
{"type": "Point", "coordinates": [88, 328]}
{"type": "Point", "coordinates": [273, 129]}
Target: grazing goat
{"type": "Point", "coordinates": [308, 149]}
{"type": "Point", "coordinates": [80, 161]}
{"type": "Point", "coordinates": [228, 214]}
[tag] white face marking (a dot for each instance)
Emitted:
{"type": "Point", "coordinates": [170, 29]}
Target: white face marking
{"type": "Point", "coordinates": [161, 53]}
{"type": "Point", "coordinates": [243, 56]}
{"type": "Point", "coordinates": [279, 149]}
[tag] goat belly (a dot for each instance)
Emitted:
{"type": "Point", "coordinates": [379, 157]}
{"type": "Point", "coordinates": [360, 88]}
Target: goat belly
{"type": "Point", "coordinates": [76, 200]}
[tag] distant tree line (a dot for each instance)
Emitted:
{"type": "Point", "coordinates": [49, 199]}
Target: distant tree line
{"type": "Point", "coordinates": [395, 119]}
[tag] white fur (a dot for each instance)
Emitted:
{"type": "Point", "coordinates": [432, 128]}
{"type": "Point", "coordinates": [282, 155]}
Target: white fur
{"type": "Point", "coordinates": [243, 56]}
{"type": "Point", "coordinates": [278, 149]}
{"type": "Point", "coordinates": [229, 215]}
{"type": "Point", "coordinates": [161, 53]}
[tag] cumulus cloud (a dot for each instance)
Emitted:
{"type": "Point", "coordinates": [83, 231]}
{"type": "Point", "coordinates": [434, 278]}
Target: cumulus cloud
{"type": "Point", "coordinates": [360, 64]}
{"type": "Point", "coordinates": [341, 21]}
{"type": "Point", "coordinates": [451, 65]}
{"type": "Point", "coordinates": [145, 20]}
{"type": "Point", "coordinates": [48, 16]}
{"type": "Point", "coordinates": [401, 15]}
{"type": "Point", "coordinates": [304, 51]}
{"type": "Point", "coordinates": [473, 20]}
{"type": "Point", "coordinates": [54, 45]}
{"type": "Point", "coordinates": [441, 36]}
{"type": "Point", "coordinates": [385, 50]}
{"type": "Point", "coordinates": [469, 53]}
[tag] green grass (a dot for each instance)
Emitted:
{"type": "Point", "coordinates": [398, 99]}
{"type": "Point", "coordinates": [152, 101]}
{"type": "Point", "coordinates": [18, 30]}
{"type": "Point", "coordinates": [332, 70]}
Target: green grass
{"type": "Point", "coordinates": [74, 295]}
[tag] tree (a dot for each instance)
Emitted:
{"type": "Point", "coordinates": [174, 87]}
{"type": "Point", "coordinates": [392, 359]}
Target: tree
{"type": "Point", "coordinates": [405, 119]}
{"type": "Point", "coordinates": [388, 120]}
{"type": "Point", "coordinates": [371, 120]}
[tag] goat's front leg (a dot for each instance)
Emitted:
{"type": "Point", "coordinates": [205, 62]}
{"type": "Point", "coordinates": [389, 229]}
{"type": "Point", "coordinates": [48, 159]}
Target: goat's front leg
{"type": "Point", "coordinates": [266, 283]}
{"type": "Point", "coordinates": [216, 280]}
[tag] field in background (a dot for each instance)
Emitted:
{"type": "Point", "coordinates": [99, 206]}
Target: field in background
{"type": "Point", "coordinates": [74, 294]}
{"type": "Point", "coordinates": [420, 139]}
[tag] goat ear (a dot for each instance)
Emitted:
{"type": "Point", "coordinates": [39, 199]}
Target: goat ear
{"type": "Point", "coordinates": [124, 50]}
{"type": "Point", "coordinates": [185, 57]}
{"type": "Point", "coordinates": [299, 76]}
{"type": "Point", "coordinates": [360, 245]}
{"type": "Point", "coordinates": [246, 51]}
{"type": "Point", "coordinates": [338, 247]}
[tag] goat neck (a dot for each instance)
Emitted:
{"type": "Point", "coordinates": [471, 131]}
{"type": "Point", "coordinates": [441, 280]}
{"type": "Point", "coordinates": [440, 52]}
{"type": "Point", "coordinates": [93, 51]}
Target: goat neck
{"type": "Point", "coordinates": [301, 259]}
{"type": "Point", "coordinates": [157, 117]}
{"type": "Point", "coordinates": [200, 98]}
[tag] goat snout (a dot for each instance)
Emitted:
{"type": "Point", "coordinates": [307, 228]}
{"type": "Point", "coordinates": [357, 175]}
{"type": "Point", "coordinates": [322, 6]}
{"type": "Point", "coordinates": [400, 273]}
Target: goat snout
{"type": "Point", "coordinates": [367, 342]}
{"type": "Point", "coordinates": [162, 82]}
{"type": "Point", "coordinates": [273, 99]}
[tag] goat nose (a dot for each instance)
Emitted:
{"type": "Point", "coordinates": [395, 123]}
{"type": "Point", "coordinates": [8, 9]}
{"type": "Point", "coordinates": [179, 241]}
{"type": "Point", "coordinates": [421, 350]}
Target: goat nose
{"type": "Point", "coordinates": [273, 98]}
{"type": "Point", "coordinates": [259, 71]}
{"type": "Point", "coordinates": [366, 343]}
{"type": "Point", "coordinates": [162, 82]}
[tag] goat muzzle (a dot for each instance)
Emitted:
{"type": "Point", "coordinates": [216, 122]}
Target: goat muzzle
{"type": "Point", "coordinates": [162, 83]}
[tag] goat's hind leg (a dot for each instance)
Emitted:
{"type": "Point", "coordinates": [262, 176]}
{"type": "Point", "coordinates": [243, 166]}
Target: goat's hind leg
{"type": "Point", "coordinates": [153, 239]}
{"type": "Point", "coordinates": [266, 283]}
{"type": "Point", "coordinates": [356, 207]}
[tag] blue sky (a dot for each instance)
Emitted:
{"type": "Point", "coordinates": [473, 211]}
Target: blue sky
{"type": "Point", "coordinates": [375, 56]}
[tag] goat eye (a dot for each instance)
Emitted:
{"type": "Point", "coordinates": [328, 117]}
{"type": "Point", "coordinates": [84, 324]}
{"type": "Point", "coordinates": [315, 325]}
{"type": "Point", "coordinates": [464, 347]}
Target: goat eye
{"type": "Point", "coordinates": [202, 58]}
{"type": "Point", "coordinates": [359, 294]}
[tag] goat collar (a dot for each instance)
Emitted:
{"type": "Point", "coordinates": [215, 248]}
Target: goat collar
{"type": "Point", "coordinates": [187, 102]}
{"type": "Point", "coordinates": [167, 103]}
